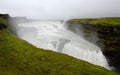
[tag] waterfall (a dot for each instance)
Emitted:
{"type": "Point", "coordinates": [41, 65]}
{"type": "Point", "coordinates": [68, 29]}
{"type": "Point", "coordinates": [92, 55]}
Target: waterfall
{"type": "Point", "coordinates": [54, 35]}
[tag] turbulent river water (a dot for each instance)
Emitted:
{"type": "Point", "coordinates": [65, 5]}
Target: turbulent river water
{"type": "Point", "coordinates": [54, 35]}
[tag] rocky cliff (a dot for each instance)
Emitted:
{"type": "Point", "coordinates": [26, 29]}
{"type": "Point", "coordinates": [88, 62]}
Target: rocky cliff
{"type": "Point", "coordinates": [4, 21]}
{"type": "Point", "coordinates": [105, 32]}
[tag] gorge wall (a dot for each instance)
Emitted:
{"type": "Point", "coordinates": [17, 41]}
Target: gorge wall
{"type": "Point", "coordinates": [107, 37]}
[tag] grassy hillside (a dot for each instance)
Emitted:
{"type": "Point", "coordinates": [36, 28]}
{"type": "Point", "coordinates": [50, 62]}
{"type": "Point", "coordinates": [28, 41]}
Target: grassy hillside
{"type": "Point", "coordinates": [17, 57]}
{"type": "Point", "coordinates": [98, 21]}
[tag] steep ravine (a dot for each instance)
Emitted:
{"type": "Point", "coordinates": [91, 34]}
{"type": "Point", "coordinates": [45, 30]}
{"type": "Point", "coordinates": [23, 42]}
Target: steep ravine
{"type": "Point", "coordinates": [18, 57]}
{"type": "Point", "coordinates": [105, 35]}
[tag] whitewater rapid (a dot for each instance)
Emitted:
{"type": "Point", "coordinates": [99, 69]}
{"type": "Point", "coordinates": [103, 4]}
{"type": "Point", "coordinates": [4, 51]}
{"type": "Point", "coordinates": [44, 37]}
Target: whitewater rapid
{"type": "Point", "coordinates": [54, 35]}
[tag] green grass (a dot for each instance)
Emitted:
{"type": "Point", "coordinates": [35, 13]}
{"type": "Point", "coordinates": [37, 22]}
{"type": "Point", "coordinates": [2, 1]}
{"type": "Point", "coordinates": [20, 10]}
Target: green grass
{"type": "Point", "coordinates": [98, 21]}
{"type": "Point", "coordinates": [17, 57]}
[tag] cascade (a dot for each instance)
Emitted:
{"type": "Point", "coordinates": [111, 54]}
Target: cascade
{"type": "Point", "coordinates": [54, 35]}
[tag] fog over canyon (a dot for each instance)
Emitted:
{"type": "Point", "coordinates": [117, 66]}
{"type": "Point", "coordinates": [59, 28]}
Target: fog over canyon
{"type": "Point", "coordinates": [55, 35]}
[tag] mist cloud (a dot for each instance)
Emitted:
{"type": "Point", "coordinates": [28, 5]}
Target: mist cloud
{"type": "Point", "coordinates": [61, 9]}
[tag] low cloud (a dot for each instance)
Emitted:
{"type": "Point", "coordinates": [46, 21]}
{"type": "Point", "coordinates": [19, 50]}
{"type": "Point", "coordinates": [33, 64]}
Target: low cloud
{"type": "Point", "coordinates": [61, 9]}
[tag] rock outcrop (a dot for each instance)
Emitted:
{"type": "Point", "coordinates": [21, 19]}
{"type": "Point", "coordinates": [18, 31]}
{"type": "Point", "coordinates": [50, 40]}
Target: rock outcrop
{"type": "Point", "coordinates": [105, 33]}
{"type": "Point", "coordinates": [4, 21]}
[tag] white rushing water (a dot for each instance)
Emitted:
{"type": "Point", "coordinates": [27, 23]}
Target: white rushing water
{"type": "Point", "coordinates": [55, 36]}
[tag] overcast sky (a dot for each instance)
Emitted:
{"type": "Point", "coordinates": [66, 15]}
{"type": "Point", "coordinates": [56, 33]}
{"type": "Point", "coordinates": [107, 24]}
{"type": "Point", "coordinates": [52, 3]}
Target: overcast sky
{"type": "Point", "coordinates": [61, 9]}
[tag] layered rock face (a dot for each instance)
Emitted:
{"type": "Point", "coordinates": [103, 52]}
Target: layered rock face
{"type": "Point", "coordinates": [107, 37]}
